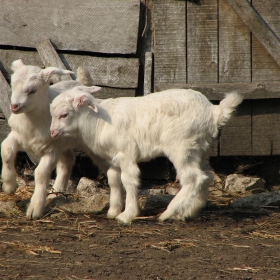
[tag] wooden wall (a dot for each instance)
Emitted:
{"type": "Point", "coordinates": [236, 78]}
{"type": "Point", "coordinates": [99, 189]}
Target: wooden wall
{"type": "Point", "coordinates": [99, 35]}
{"type": "Point", "coordinates": [219, 46]}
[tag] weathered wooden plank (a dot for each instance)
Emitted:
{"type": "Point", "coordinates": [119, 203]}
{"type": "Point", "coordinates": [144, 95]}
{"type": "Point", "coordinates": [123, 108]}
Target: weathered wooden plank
{"type": "Point", "coordinates": [50, 57]}
{"type": "Point", "coordinates": [218, 90]}
{"type": "Point", "coordinates": [234, 47]}
{"type": "Point", "coordinates": [236, 135]}
{"type": "Point", "coordinates": [108, 92]}
{"type": "Point", "coordinates": [169, 41]}
{"type": "Point", "coordinates": [264, 67]}
{"type": "Point", "coordinates": [202, 42]}
{"type": "Point", "coordinates": [107, 26]}
{"type": "Point", "coordinates": [235, 67]}
{"type": "Point", "coordinates": [5, 93]}
{"type": "Point", "coordinates": [148, 73]}
{"type": "Point", "coordinates": [258, 26]}
{"type": "Point", "coordinates": [105, 71]}
{"type": "Point", "coordinates": [4, 129]}
{"type": "Point", "coordinates": [265, 127]}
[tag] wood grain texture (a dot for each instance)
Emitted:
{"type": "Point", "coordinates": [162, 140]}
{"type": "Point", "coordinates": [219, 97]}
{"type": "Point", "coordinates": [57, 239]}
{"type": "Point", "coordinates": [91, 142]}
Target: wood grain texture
{"type": "Point", "coordinates": [217, 91]}
{"type": "Point", "coordinates": [234, 46]}
{"type": "Point", "coordinates": [108, 92]}
{"type": "Point", "coordinates": [202, 42]}
{"type": "Point", "coordinates": [258, 26]}
{"type": "Point", "coordinates": [235, 67]}
{"type": "Point", "coordinates": [148, 73]}
{"type": "Point", "coordinates": [169, 41]}
{"type": "Point", "coordinates": [265, 127]}
{"type": "Point", "coordinates": [105, 71]}
{"type": "Point", "coordinates": [264, 67]}
{"type": "Point", "coordinates": [5, 94]}
{"type": "Point", "coordinates": [50, 57]}
{"type": "Point", "coordinates": [107, 26]}
{"type": "Point", "coordinates": [236, 135]}
{"type": "Point", "coordinates": [4, 129]}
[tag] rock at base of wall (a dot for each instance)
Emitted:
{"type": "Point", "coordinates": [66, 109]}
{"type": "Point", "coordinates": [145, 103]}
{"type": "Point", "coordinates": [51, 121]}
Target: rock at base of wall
{"type": "Point", "coordinates": [237, 183]}
{"type": "Point", "coordinates": [257, 201]}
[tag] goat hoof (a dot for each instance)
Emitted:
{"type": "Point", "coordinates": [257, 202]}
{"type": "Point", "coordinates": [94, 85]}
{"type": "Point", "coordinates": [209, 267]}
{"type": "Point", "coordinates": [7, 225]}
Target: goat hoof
{"type": "Point", "coordinates": [113, 213]}
{"type": "Point", "coordinates": [9, 188]}
{"type": "Point", "coordinates": [123, 219]}
{"type": "Point", "coordinates": [34, 211]}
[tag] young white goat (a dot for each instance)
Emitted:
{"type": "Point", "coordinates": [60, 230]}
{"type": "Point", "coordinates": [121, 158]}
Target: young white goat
{"type": "Point", "coordinates": [30, 132]}
{"type": "Point", "coordinates": [179, 124]}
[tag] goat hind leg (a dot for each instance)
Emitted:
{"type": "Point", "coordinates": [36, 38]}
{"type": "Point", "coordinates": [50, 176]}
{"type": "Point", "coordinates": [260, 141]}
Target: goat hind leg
{"type": "Point", "coordinates": [191, 198]}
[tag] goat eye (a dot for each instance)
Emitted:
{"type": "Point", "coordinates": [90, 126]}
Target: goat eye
{"type": "Point", "coordinates": [63, 116]}
{"type": "Point", "coordinates": [31, 92]}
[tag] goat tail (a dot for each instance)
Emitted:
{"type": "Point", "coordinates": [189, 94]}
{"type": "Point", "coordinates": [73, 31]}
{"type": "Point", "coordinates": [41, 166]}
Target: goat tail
{"type": "Point", "coordinates": [84, 77]}
{"type": "Point", "coordinates": [224, 111]}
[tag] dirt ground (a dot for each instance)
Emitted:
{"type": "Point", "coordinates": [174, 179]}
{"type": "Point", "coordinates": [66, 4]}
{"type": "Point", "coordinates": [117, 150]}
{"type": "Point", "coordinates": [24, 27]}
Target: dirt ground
{"type": "Point", "coordinates": [222, 243]}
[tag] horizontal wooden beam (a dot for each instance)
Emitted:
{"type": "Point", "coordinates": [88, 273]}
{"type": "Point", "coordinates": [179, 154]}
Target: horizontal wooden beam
{"type": "Point", "coordinates": [117, 72]}
{"type": "Point", "coordinates": [217, 91]}
{"type": "Point", "coordinates": [258, 26]}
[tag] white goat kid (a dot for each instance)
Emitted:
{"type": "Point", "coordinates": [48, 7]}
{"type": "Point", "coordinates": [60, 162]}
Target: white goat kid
{"type": "Point", "coordinates": [179, 124]}
{"type": "Point", "coordinates": [30, 122]}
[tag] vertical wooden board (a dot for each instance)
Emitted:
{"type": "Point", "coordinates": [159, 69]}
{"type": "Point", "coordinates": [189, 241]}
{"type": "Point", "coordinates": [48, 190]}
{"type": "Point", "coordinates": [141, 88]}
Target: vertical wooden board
{"type": "Point", "coordinates": [202, 42]}
{"type": "Point", "coordinates": [236, 135]}
{"type": "Point", "coordinates": [264, 67]}
{"type": "Point", "coordinates": [265, 127]}
{"type": "Point", "coordinates": [148, 73]}
{"type": "Point", "coordinates": [234, 46]}
{"type": "Point", "coordinates": [169, 41]}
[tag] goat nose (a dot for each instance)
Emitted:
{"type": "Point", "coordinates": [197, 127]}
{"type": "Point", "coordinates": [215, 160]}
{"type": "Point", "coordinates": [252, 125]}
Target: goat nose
{"type": "Point", "coordinates": [54, 133]}
{"type": "Point", "coordinates": [15, 107]}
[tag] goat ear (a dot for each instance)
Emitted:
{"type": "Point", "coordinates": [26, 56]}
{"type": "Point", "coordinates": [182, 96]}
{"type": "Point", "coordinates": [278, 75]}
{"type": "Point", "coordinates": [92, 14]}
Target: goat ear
{"type": "Point", "coordinates": [16, 64]}
{"type": "Point", "coordinates": [49, 71]}
{"type": "Point", "coordinates": [84, 100]}
{"type": "Point", "coordinates": [89, 90]}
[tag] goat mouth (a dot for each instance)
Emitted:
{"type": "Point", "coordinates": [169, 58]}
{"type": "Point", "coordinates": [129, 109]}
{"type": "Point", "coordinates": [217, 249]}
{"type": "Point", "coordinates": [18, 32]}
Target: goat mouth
{"type": "Point", "coordinates": [55, 134]}
{"type": "Point", "coordinates": [16, 110]}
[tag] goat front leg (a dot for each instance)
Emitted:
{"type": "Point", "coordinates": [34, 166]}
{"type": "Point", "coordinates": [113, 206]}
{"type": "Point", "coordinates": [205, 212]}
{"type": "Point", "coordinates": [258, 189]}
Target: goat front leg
{"type": "Point", "coordinates": [43, 172]}
{"type": "Point", "coordinates": [130, 180]}
{"type": "Point", "coordinates": [116, 192]}
{"type": "Point", "coordinates": [9, 149]}
{"type": "Point", "coordinates": [63, 170]}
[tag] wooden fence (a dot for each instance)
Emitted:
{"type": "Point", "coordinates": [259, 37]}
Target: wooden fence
{"type": "Point", "coordinates": [133, 47]}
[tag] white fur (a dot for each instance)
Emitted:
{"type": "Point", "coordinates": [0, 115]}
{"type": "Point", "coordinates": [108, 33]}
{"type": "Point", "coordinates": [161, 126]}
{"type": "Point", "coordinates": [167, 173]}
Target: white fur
{"type": "Point", "coordinates": [30, 122]}
{"type": "Point", "coordinates": [179, 124]}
